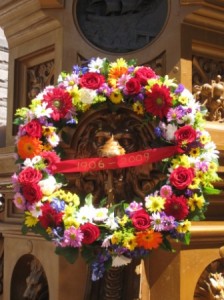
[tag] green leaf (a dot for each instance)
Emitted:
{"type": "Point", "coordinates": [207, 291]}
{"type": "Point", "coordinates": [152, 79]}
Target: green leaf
{"type": "Point", "coordinates": [69, 253]}
{"type": "Point", "coordinates": [88, 254]}
{"type": "Point", "coordinates": [187, 238]}
{"type": "Point", "coordinates": [64, 137]}
{"type": "Point", "coordinates": [24, 229]}
{"type": "Point", "coordinates": [89, 199]}
{"type": "Point", "coordinates": [166, 245]}
{"type": "Point", "coordinates": [211, 191]}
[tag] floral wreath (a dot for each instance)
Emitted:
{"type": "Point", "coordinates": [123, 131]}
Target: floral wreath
{"type": "Point", "coordinates": [112, 235]}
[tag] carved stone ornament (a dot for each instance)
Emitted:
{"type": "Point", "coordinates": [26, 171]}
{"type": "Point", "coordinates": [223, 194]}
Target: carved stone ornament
{"type": "Point", "coordinates": [211, 95]}
{"type": "Point", "coordinates": [36, 288]}
{"type": "Point", "coordinates": [126, 133]}
{"type": "Point", "coordinates": [120, 25]}
{"type": "Point", "coordinates": [210, 285]}
{"type": "Point", "coordinates": [38, 77]}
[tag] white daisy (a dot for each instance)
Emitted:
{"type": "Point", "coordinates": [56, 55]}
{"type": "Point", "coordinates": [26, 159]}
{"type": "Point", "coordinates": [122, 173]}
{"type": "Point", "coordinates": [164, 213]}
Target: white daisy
{"type": "Point", "coordinates": [96, 64]}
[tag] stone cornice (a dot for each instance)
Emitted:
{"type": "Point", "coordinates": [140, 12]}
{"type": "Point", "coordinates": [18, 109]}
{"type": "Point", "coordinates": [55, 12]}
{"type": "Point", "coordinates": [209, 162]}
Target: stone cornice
{"type": "Point", "coordinates": [25, 20]}
{"type": "Point", "coordinates": [209, 16]}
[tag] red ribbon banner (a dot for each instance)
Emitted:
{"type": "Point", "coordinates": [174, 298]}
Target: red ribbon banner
{"type": "Point", "coordinates": [121, 161]}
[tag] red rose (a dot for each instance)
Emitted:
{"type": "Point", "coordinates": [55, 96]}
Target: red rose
{"type": "Point", "coordinates": [92, 80]}
{"type": "Point", "coordinates": [91, 233]}
{"type": "Point", "coordinates": [133, 86]}
{"type": "Point", "coordinates": [29, 175]}
{"type": "Point", "coordinates": [50, 217]}
{"type": "Point", "coordinates": [185, 135]}
{"type": "Point", "coordinates": [31, 192]}
{"type": "Point", "coordinates": [144, 73]}
{"type": "Point", "coordinates": [182, 177]}
{"type": "Point", "coordinates": [33, 128]}
{"type": "Point", "coordinates": [141, 220]}
{"type": "Point", "coordinates": [177, 207]}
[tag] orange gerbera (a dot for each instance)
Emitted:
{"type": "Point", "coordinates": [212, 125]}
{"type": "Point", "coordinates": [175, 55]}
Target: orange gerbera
{"type": "Point", "coordinates": [28, 147]}
{"type": "Point", "coordinates": [149, 239]}
{"type": "Point", "coordinates": [115, 73]}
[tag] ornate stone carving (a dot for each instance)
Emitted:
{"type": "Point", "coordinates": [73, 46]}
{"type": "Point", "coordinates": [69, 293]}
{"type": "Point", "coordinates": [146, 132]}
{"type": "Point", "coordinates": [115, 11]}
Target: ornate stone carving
{"type": "Point", "coordinates": [36, 289]}
{"type": "Point", "coordinates": [212, 97]}
{"type": "Point", "coordinates": [205, 69]}
{"type": "Point", "coordinates": [128, 130]}
{"type": "Point", "coordinates": [121, 25]}
{"type": "Point", "coordinates": [1, 264]}
{"type": "Point", "coordinates": [38, 77]}
{"type": "Point", "coordinates": [210, 285]}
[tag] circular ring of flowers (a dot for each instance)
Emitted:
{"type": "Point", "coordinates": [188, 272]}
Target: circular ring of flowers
{"type": "Point", "coordinates": [105, 238]}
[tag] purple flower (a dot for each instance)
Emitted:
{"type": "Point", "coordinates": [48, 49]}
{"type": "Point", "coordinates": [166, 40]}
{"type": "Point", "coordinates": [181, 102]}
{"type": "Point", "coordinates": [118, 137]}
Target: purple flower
{"type": "Point", "coordinates": [133, 207]}
{"type": "Point", "coordinates": [158, 131]}
{"type": "Point", "coordinates": [169, 222]}
{"type": "Point", "coordinates": [58, 205]}
{"type": "Point", "coordinates": [157, 222]}
{"type": "Point", "coordinates": [179, 89]}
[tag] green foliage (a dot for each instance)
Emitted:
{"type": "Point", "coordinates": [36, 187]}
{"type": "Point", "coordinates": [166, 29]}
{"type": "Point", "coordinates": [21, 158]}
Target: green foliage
{"type": "Point", "coordinates": [69, 253]}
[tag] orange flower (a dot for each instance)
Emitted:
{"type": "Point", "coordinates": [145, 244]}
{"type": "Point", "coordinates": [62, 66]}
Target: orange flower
{"type": "Point", "coordinates": [28, 147]}
{"type": "Point", "coordinates": [149, 239]}
{"type": "Point", "coordinates": [114, 74]}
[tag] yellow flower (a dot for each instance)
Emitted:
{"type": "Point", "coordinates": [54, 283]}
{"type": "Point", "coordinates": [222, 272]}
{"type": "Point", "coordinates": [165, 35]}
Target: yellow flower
{"type": "Point", "coordinates": [47, 147]}
{"type": "Point", "coordinates": [213, 167]}
{"type": "Point", "coordinates": [123, 220]}
{"type": "Point", "coordinates": [154, 203]}
{"type": "Point", "coordinates": [182, 160]}
{"type": "Point", "coordinates": [70, 221]}
{"type": "Point", "coordinates": [205, 138]}
{"type": "Point", "coordinates": [48, 131]}
{"type": "Point", "coordinates": [195, 152]}
{"type": "Point", "coordinates": [195, 183]}
{"type": "Point", "coordinates": [34, 104]}
{"type": "Point", "coordinates": [119, 63]}
{"type": "Point", "coordinates": [116, 97]}
{"type": "Point", "coordinates": [150, 83]}
{"type": "Point", "coordinates": [30, 220]}
{"type": "Point", "coordinates": [130, 242]}
{"type": "Point", "coordinates": [116, 237]}
{"type": "Point", "coordinates": [196, 202]}
{"type": "Point", "coordinates": [138, 108]}
{"type": "Point", "coordinates": [183, 100]}
{"type": "Point", "coordinates": [21, 112]}
{"type": "Point", "coordinates": [184, 226]}
{"type": "Point", "coordinates": [49, 230]}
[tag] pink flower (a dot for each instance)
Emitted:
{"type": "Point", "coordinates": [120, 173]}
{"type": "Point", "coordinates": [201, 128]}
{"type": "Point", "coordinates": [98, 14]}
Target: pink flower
{"type": "Point", "coordinates": [72, 237]}
{"type": "Point", "coordinates": [165, 191]}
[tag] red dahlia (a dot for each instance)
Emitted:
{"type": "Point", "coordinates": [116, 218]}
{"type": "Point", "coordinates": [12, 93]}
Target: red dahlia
{"type": "Point", "coordinates": [50, 217]}
{"type": "Point", "coordinates": [176, 206]}
{"type": "Point", "coordinates": [59, 101]}
{"type": "Point", "coordinates": [158, 101]}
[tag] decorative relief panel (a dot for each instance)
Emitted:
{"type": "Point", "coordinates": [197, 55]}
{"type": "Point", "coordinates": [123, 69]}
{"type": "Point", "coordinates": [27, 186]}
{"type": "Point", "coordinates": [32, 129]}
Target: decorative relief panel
{"type": "Point", "coordinates": [32, 74]}
{"type": "Point", "coordinates": [38, 77]}
{"type": "Point", "coordinates": [120, 26]}
{"type": "Point", "coordinates": [209, 87]}
{"type": "Point", "coordinates": [206, 69]}
{"type": "Point", "coordinates": [210, 285]}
